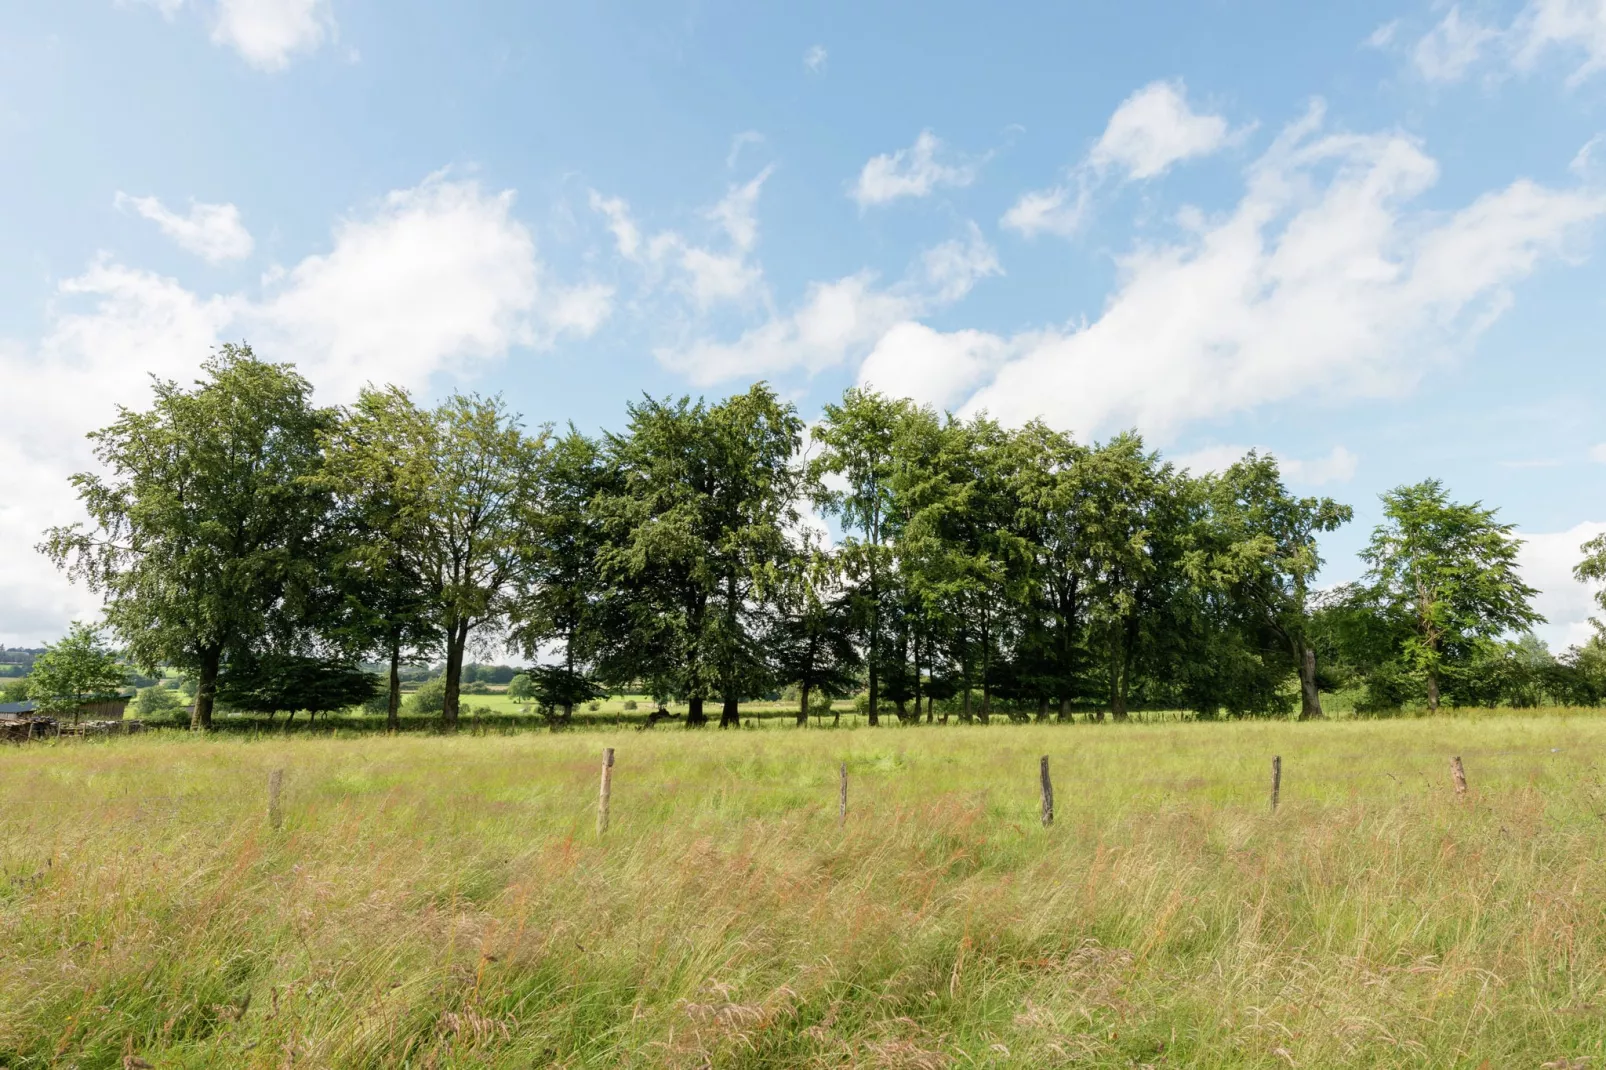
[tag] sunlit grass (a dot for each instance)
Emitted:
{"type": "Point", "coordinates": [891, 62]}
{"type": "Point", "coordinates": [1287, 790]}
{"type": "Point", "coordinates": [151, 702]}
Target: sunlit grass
{"type": "Point", "coordinates": [447, 901]}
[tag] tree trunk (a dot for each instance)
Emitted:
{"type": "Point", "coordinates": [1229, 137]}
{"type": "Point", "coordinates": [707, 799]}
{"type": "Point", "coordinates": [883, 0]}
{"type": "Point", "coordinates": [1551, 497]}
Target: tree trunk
{"type": "Point", "coordinates": [1433, 690]}
{"type": "Point", "coordinates": [1310, 700]}
{"type": "Point", "coordinates": [1042, 709]}
{"type": "Point", "coordinates": [730, 714]}
{"type": "Point", "coordinates": [986, 669]}
{"type": "Point", "coordinates": [803, 706]}
{"type": "Point", "coordinates": [931, 711]}
{"type": "Point", "coordinates": [917, 676]}
{"type": "Point", "coordinates": [393, 700]}
{"type": "Point", "coordinates": [206, 689]}
{"type": "Point", "coordinates": [695, 717]}
{"type": "Point", "coordinates": [1120, 675]}
{"type": "Point", "coordinates": [1065, 708]}
{"type": "Point", "coordinates": [456, 641]}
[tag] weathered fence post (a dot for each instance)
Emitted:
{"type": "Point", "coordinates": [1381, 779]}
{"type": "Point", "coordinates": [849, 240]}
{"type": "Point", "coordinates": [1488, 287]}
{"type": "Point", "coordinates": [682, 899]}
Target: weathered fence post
{"type": "Point", "coordinates": [1048, 791]}
{"type": "Point", "coordinates": [1276, 779]}
{"type": "Point", "coordinates": [842, 796]}
{"type": "Point", "coordinates": [1460, 775]}
{"type": "Point", "coordinates": [275, 786]}
{"type": "Point", "coordinates": [607, 790]}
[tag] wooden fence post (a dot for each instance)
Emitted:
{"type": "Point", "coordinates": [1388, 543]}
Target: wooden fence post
{"type": "Point", "coordinates": [606, 792]}
{"type": "Point", "coordinates": [1276, 780]}
{"type": "Point", "coordinates": [1460, 776]}
{"type": "Point", "coordinates": [1048, 791]}
{"type": "Point", "coordinates": [275, 786]}
{"type": "Point", "coordinates": [842, 796]}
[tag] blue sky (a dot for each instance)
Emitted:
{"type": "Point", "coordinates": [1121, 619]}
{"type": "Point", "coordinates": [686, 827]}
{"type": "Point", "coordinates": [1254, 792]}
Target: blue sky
{"type": "Point", "coordinates": [1366, 237]}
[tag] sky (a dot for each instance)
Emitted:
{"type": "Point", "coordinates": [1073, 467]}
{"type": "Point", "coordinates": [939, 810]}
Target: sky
{"type": "Point", "coordinates": [1364, 236]}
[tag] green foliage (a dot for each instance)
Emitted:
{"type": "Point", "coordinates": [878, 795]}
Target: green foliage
{"type": "Point", "coordinates": [79, 669]}
{"type": "Point", "coordinates": [155, 702]}
{"type": "Point", "coordinates": [521, 688]}
{"type": "Point", "coordinates": [1448, 572]}
{"type": "Point", "coordinates": [205, 529]}
{"type": "Point", "coordinates": [290, 682]}
{"type": "Point", "coordinates": [429, 698]}
{"type": "Point", "coordinates": [14, 690]}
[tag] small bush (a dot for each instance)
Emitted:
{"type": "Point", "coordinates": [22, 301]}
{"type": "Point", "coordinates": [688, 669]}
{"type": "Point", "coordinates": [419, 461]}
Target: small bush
{"type": "Point", "coordinates": [429, 698]}
{"type": "Point", "coordinates": [154, 702]}
{"type": "Point", "coordinates": [630, 704]}
{"type": "Point", "coordinates": [593, 706]}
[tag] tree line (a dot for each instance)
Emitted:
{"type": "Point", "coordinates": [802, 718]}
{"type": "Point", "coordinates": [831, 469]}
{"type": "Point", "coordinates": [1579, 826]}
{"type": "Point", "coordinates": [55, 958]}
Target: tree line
{"type": "Point", "coordinates": [265, 545]}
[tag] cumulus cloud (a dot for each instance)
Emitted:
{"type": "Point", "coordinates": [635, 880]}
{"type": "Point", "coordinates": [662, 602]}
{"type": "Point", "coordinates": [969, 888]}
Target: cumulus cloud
{"type": "Point", "coordinates": [931, 367]}
{"type": "Point", "coordinates": [708, 275]}
{"type": "Point", "coordinates": [915, 171]}
{"type": "Point", "coordinates": [1151, 131]}
{"type": "Point", "coordinates": [213, 232]}
{"type": "Point", "coordinates": [1337, 467]}
{"type": "Point", "coordinates": [267, 34]}
{"type": "Point", "coordinates": [1325, 279]}
{"type": "Point", "coordinates": [814, 59]}
{"type": "Point", "coordinates": [1546, 561]}
{"type": "Point", "coordinates": [1569, 28]}
{"type": "Point", "coordinates": [427, 281]}
{"type": "Point", "coordinates": [839, 319]}
{"type": "Point", "coordinates": [1155, 128]}
{"type": "Point", "coordinates": [1059, 210]}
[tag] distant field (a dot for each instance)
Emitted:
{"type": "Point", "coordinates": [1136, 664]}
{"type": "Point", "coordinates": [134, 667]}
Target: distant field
{"type": "Point", "coordinates": [447, 902]}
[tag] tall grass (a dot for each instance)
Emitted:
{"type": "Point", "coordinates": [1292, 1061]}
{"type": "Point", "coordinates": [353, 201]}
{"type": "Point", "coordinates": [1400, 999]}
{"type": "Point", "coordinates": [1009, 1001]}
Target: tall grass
{"type": "Point", "coordinates": [446, 902]}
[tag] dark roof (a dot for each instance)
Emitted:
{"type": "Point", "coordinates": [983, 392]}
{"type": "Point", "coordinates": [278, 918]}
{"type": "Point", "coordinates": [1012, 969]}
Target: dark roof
{"type": "Point", "coordinates": [16, 707]}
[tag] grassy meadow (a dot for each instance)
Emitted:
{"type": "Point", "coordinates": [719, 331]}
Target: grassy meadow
{"type": "Point", "coordinates": [448, 902]}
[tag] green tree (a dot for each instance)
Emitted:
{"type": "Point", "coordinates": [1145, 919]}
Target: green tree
{"type": "Point", "coordinates": [520, 688]}
{"type": "Point", "coordinates": [696, 528]}
{"type": "Point", "coordinates": [290, 682]}
{"type": "Point", "coordinates": [459, 479]}
{"type": "Point", "coordinates": [205, 530]}
{"type": "Point", "coordinates": [379, 465]}
{"type": "Point", "coordinates": [1449, 571]}
{"type": "Point", "coordinates": [852, 475]}
{"type": "Point", "coordinates": [812, 640]}
{"type": "Point", "coordinates": [1264, 555]}
{"type": "Point", "coordinates": [78, 670]}
{"type": "Point", "coordinates": [558, 597]}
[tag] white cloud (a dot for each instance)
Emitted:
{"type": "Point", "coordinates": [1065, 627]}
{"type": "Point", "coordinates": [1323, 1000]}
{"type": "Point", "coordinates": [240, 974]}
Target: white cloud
{"type": "Point", "coordinates": [1598, 453]}
{"type": "Point", "coordinates": [1383, 36]}
{"type": "Point", "coordinates": [213, 232]}
{"type": "Point", "coordinates": [911, 172]}
{"type": "Point", "coordinates": [167, 8]}
{"type": "Point", "coordinates": [929, 367]}
{"type": "Point", "coordinates": [1565, 25]}
{"type": "Point", "coordinates": [1337, 467]}
{"type": "Point", "coordinates": [1450, 49]}
{"type": "Point", "coordinates": [1323, 280]}
{"type": "Point", "coordinates": [1456, 43]}
{"type": "Point", "coordinates": [1546, 562]}
{"type": "Point", "coordinates": [708, 276]}
{"type": "Point", "coordinates": [1060, 210]}
{"type": "Point", "coordinates": [1583, 160]}
{"type": "Point", "coordinates": [1155, 128]}
{"type": "Point", "coordinates": [430, 279]}
{"type": "Point", "coordinates": [267, 33]}
{"type": "Point", "coordinates": [814, 59]}
{"type": "Point", "coordinates": [1149, 133]}
{"type": "Point", "coordinates": [837, 320]}
{"type": "Point", "coordinates": [746, 137]}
